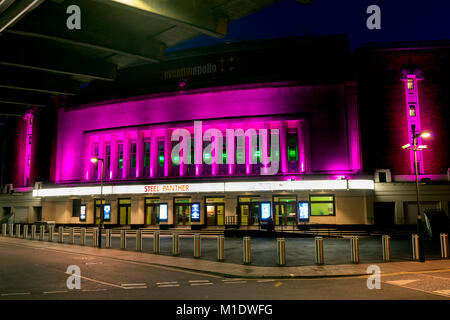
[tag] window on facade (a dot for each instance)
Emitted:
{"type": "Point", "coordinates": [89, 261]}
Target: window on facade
{"type": "Point", "coordinates": [146, 158]}
{"type": "Point", "coordinates": [107, 159]}
{"type": "Point", "coordinates": [292, 145]}
{"type": "Point", "coordinates": [161, 152]}
{"type": "Point", "coordinates": [412, 110]}
{"type": "Point", "coordinates": [133, 159]}
{"type": "Point", "coordinates": [410, 84]}
{"type": "Point", "coordinates": [322, 205]}
{"type": "Point", "coordinates": [95, 165]}
{"type": "Point", "coordinates": [120, 159]}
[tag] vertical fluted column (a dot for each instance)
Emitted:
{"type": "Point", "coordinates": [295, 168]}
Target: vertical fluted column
{"type": "Point", "coordinates": [167, 153]}
{"type": "Point", "coordinates": [153, 153]}
{"type": "Point", "coordinates": [139, 154]}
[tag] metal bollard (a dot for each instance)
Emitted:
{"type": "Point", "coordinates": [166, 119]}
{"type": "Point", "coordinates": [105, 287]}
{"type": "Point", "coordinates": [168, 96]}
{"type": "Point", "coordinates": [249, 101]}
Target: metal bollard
{"type": "Point", "coordinates": [220, 248]}
{"type": "Point", "coordinates": [175, 244]}
{"type": "Point", "coordinates": [246, 250]}
{"type": "Point", "coordinates": [354, 244]}
{"type": "Point", "coordinates": [82, 236]}
{"type": "Point", "coordinates": [25, 232]}
{"type": "Point", "coordinates": [108, 238]}
{"type": "Point", "coordinates": [444, 245]}
{"type": "Point", "coordinates": [415, 246]}
{"type": "Point", "coordinates": [11, 230]}
{"type": "Point", "coordinates": [41, 233]}
{"type": "Point", "coordinates": [197, 247]}
{"type": "Point", "coordinates": [33, 232]}
{"type": "Point", "coordinates": [281, 251]}
{"type": "Point", "coordinates": [71, 235]}
{"type": "Point", "coordinates": [386, 244]}
{"type": "Point", "coordinates": [60, 234]}
{"type": "Point", "coordinates": [95, 237]}
{"type": "Point", "coordinates": [319, 250]}
{"type": "Point", "coordinates": [123, 239]}
{"type": "Point", "coordinates": [50, 233]}
{"type": "Point", "coordinates": [138, 240]}
{"type": "Point", "coordinates": [17, 230]}
{"type": "Point", "coordinates": [156, 242]}
{"type": "Point", "coordinates": [4, 229]}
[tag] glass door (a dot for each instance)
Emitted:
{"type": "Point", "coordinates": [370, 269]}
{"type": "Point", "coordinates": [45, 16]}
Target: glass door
{"type": "Point", "coordinates": [211, 215]}
{"type": "Point", "coordinates": [215, 211]}
{"type": "Point", "coordinates": [151, 214]}
{"type": "Point", "coordinates": [220, 212]}
{"type": "Point", "coordinates": [97, 211]}
{"type": "Point", "coordinates": [124, 212]}
{"type": "Point", "coordinates": [182, 211]}
{"type": "Point", "coordinates": [285, 210]}
{"type": "Point", "coordinates": [248, 210]}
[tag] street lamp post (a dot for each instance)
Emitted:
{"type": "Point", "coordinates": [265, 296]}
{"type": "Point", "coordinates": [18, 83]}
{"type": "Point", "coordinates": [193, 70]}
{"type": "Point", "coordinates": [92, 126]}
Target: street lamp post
{"type": "Point", "coordinates": [95, 160]}
{"type": "Point", "coordinates": [416, 148]}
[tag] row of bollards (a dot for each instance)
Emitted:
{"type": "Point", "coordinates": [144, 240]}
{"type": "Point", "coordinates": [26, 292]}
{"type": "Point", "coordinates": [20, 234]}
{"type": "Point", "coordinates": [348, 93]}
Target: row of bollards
{"type": "Point", "coordinates": [281, 243]}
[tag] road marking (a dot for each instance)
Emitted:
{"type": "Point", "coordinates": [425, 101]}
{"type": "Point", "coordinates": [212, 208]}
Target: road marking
{"type": "Point", "coordinates": [233, 282]}
{"type": "Point", "coordinates": [201, 284]}
{"type": "Point", "coordinates": [16, 294]}
{"type": "Point", "coordinates": [195, 281]}
{"type": "Point", "coordinates": [133, 284]}
{"type": "Point", "coordinates": [401, 282]}
{"type": "Point", "coordinates": [51, 292]}
{"type": "Point", "coordinates": [97, 281]}
{"type": "Point", "coordinates": [168, 285]}
{"type": "Point", "coordinates": [276, 285]}
{"type": "Point", "coordinates": [446, 292]}
{"type": "Point", "coordinates": [93, 290]}
{"type": "Point", "coordinates": [172, 282]}
{"type": "Point", "coordinates": [230, 280]}
{"type": "Point", "coordinates": [265, 280]}
{"type": "Point", "coordinates": [93, 263]}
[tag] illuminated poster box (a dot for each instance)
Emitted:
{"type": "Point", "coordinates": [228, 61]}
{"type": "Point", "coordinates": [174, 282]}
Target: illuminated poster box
{"type": "Point", "coordinates": [83, 212]}
{"type": "Point", "coordinates": [195, 212]}
{"type": "Point", "coordinates": [265, 211]}
{"type": "Point", "coordinates": [107, 212]}
{"type": "Point", "coordinates": [163, 212]}
{"type": "Point", "coordinates": [303, 211]}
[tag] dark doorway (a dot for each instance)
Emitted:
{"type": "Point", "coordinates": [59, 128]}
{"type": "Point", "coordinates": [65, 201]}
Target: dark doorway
{"type": "Point", "coordinates": [384, 213]}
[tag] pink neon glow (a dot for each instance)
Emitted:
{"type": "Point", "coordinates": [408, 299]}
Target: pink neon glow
{"type": "Point", "coordinates": [264, 103]}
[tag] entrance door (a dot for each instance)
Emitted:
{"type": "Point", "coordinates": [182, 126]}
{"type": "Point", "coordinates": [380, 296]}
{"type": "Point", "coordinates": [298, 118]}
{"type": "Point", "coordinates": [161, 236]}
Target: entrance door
{"type": "Point", "coordinates": [97, 211]}
{"type": "Point", "coordinates": [183, 214]}
{"type": "Point", "coordinates": [249, 214]}
{"type": "Point", "coordinates": [285, 210]}
{"type": "Point", "coordinates": [124, 212]}
{"type": "Point", "coordinates": [151, 213]}
{"type": "Point", "coordinates": [211, 215]}
{"type": "Point", "coordinates": [384, 213]}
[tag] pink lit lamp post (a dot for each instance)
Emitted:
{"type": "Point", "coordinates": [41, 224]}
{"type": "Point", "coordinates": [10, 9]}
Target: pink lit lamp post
{"type": "Point", "coordinates": [416, 148]}
{"type": "Point", "coordinates": [95, 160]}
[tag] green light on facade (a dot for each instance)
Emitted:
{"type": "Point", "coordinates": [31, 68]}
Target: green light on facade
{"type": "Point", "coordinates": [161, 158]}
{"type": "Point", "coordinates": [258, 153]}
{"type": "Point", "coordinates": [207, 156]}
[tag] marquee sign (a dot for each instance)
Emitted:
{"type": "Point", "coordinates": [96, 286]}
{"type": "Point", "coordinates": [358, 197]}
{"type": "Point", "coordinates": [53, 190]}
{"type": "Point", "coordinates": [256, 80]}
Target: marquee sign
{"type": "Point", "coordinates": [219, 187]}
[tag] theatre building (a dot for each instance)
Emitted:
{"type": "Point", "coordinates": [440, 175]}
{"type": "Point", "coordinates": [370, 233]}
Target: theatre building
{"type": "Point", "coordinates": [231, 135]}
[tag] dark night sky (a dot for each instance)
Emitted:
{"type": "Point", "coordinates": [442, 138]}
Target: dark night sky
{"type": "Point", "coordinates": [401, 20]}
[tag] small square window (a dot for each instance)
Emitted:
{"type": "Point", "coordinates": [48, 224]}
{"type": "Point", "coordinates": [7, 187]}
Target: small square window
{"type": "Point", "coordinates": [412, 110]}
{"type": "Point", "coordinates": [410, 84]}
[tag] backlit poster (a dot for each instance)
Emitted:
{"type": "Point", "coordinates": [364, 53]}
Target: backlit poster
{"type": "Point", "coordinates": [303, 211]}
{"type": "Point", "coordinates": [83, 212]}
{"type": "Point", "coordinates": [195, 212]}
{"type": "Point", "coordinates": [107, 212]}
{"type": "Point", "coordinates": [163, 212]}
{"type": "Point", "coordinates": [265, 211]}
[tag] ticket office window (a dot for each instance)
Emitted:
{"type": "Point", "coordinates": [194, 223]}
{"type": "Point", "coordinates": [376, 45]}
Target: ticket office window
{"type": "Point", "coordinates": [151, 211]}
{"type": "Point", "coordinates": [124, 212]}
{"type": "Point", "coordinates": [97, 215]}
{"type": "Point", "coordinates": [285, 210]}
{"type": "Point", "coordinates": [322, 205]}
{"type": "Point", "coordinates": [248, 209]}
{"type": "Point", "coordinates": [215, 211]}
{"type": "Point", "coordinates": [182, 214]}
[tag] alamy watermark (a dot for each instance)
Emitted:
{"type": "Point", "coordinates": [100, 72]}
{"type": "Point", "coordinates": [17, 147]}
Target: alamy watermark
{"type": "Point", "coordinates": [256, 150]}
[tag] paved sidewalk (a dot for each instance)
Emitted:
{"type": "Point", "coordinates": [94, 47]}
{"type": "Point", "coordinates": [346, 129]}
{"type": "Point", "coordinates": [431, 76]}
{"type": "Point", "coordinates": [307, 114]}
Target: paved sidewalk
{"type": "Point", "coordinates": [235, 270]}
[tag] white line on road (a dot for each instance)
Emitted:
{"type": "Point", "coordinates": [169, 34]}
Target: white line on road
{"type": "Point", "coordinates": [168, 285]}
{"type": "Point", "coordinates": [229, 282]}
{"type": "Point", "coordinates": [50, 292]}
{"type": "Point", "coordinates": [265, 280]}
{"type": "Point", "coordinates": [172, 282]}
{"type": "Point", "coordinates": [201, 284]}
{"type": "Point", "coordinates": [15, 294]}
{"type": "Point", "coordinates": [195, 281]}
{"type": "Point", "coordinates": [93, 290]}
{"type": "Point", "coordinates": [133, 284]}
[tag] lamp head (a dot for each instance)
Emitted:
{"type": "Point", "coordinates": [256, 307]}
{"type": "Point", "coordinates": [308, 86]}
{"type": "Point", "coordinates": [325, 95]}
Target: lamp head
{"type": "Point", "coordinates": [94, 160]}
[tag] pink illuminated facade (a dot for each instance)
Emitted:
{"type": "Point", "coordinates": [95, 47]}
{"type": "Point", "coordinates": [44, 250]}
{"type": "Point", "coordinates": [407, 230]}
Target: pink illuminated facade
{"type": "Point", "coordinates": [308, 131]}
